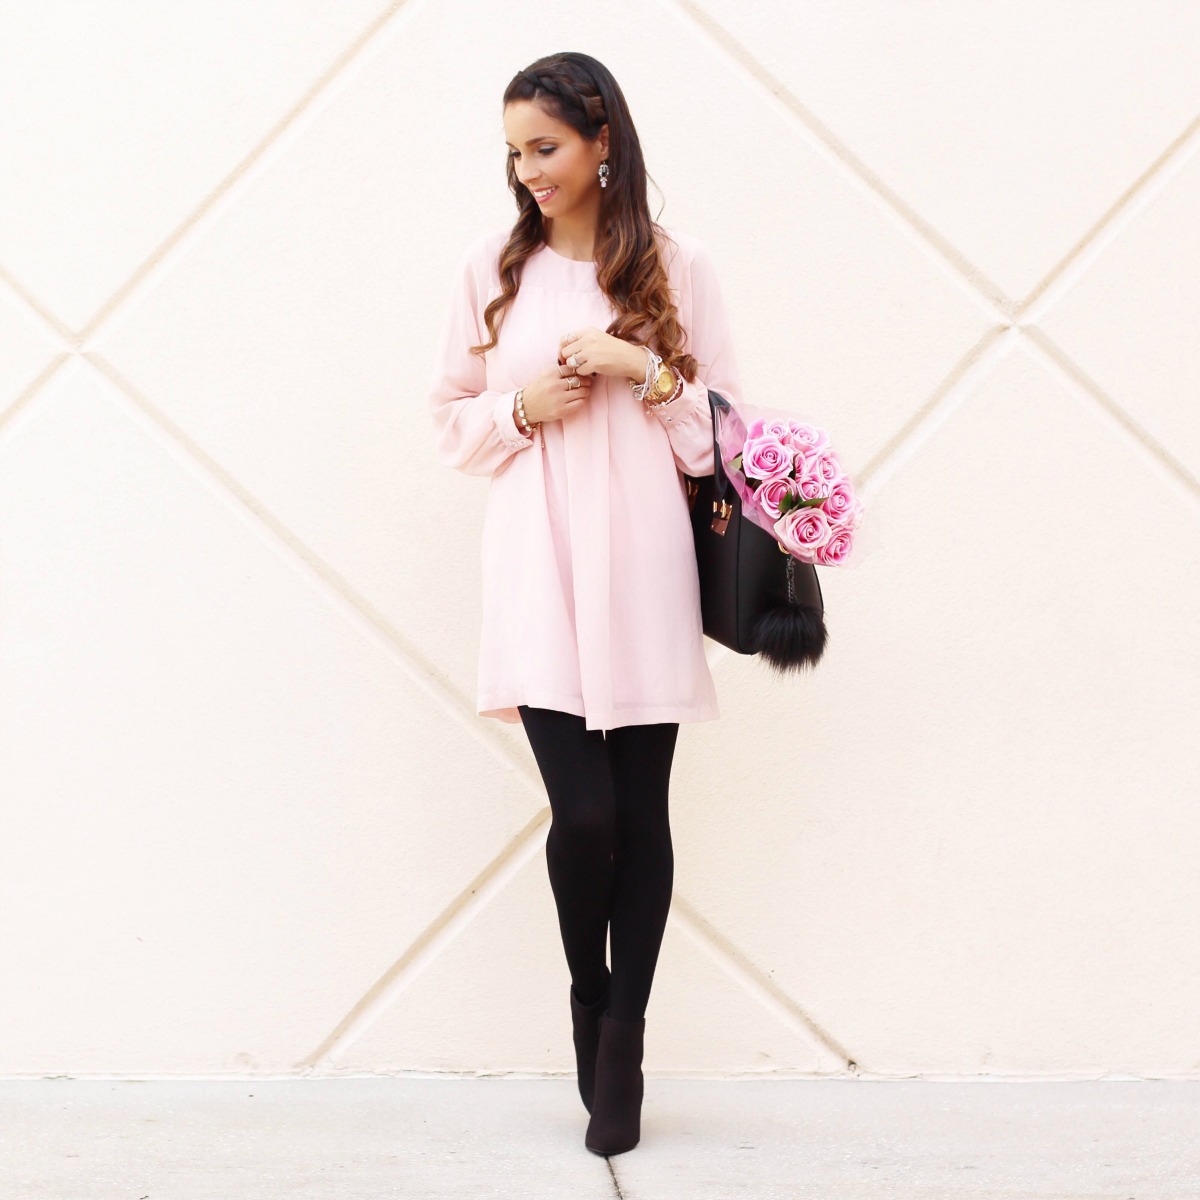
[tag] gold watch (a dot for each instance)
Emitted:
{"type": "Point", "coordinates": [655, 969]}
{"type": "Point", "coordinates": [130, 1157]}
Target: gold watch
{"type": "Point", "coordinates": [664, 382]}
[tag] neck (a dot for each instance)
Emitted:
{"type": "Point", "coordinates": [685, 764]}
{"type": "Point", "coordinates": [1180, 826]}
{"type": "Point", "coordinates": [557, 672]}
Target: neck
{"type": "Point", "coordinates": [572, 238]}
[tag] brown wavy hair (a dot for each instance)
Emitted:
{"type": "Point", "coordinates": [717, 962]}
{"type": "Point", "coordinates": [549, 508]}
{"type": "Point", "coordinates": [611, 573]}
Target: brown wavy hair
{"type": "Point", "coordinates": [580, 91]}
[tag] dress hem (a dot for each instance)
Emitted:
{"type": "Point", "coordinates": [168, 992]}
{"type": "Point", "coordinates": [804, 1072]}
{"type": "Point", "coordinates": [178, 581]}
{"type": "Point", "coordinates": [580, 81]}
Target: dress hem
{"type": "Point", "coordinates": [637, 715]}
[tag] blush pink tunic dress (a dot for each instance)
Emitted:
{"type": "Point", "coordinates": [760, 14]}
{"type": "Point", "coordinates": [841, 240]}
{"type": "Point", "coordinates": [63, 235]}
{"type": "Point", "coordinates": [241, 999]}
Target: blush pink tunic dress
{"type": "Point", "coordinates": [591, 600]}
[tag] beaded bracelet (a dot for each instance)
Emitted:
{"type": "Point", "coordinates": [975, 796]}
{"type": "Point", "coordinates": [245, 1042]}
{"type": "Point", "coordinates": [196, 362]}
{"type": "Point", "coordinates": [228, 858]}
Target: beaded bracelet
{"type": "Point", "coordinates": [521, 413]}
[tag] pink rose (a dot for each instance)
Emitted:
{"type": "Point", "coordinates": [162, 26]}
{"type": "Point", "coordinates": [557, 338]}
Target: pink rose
{"type": "Point", "coordinates": [840, 503]}
{"type": "Point", "coordinates": [810, 486]}
{"type": "Point", "coordinates": [802, 531]}
{"type": "Point", "coordinates": [805, 438]}
{"type": "Point", "coordinates": [774, 427]}
{"type": "Point", "coordinates": [766, 457]}
{"type": "Point", "coordinates": [825, 464]}
{"type": "Point", "coordinates": [770, 494]}
{"type": "Point", "coordinates": [833, 553]}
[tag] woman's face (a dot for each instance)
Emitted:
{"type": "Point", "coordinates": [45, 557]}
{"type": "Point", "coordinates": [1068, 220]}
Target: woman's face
{"type": "Point", "coordinates": [548, 153]}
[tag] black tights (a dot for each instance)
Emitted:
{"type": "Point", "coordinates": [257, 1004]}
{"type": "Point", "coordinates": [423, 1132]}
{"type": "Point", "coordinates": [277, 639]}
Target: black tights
{"type": "Point", "coordinates": [609, 848]}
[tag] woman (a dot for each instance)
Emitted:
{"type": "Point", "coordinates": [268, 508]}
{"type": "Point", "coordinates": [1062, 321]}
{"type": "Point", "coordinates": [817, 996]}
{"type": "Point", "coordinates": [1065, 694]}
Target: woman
{"type": "Point", "coordinates": [586, 405]}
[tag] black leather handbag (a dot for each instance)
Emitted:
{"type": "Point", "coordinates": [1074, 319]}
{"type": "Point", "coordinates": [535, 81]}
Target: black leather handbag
{"type": "Point", "coordinates": [755, 597]}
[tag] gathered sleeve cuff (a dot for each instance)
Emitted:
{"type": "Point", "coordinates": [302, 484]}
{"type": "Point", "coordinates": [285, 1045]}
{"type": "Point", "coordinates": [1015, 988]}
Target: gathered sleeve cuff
{"type": "Point", "coordinates": [474, 428]}
{"type": "Point", "coordinates": [688, 418]}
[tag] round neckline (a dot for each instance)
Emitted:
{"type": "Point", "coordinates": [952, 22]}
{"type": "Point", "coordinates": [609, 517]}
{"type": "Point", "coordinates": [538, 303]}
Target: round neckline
{"type": "Point", "coordinates": [582, 262]}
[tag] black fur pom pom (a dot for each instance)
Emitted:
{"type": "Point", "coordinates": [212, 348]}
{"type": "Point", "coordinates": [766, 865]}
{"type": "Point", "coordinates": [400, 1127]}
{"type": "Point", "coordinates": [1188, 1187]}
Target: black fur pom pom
{"type": "Point", "coordinates": [790, 637]}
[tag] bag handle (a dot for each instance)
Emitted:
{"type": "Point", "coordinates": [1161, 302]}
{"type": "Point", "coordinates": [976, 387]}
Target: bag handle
{"type": "Point", "coordinates": [721, 485]}
{"type": "Point", "coordinates": [722, 507]}
{"type": "Point", "coordinates": [721, 482]}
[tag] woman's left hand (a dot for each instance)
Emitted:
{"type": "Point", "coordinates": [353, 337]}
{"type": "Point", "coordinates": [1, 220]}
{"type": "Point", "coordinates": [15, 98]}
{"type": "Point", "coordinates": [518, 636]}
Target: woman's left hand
{"type": "Point", "coordinates": [600, 353]}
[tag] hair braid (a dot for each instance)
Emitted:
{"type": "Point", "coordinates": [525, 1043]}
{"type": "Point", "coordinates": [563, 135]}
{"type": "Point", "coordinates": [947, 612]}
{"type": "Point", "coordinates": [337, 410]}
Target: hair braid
{"type": "Point", "coordinates": [548, 83]}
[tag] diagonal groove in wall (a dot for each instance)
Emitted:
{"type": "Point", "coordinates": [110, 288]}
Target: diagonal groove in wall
{"type": "Point", "coordinates": [1076, 381]}
{"type": "Point", "coordinates": [59, 328]}
{"type": "Point", "coordinates": [356, 608]}
{"type": "Point", "coordinates": [1137, 197]}
{"type": "Point", "coordinates": [23, 402]}
{"type": "Point", "coordinates": [963, 378]}
{"type": "Point", "coordinates": [821, 139]}
{"type": "Point", "coordinates": [240, 172]}
{"type": "Point", "coordinates": [473, 897]}
{"type": "Point", "coordinates": [753, 980]}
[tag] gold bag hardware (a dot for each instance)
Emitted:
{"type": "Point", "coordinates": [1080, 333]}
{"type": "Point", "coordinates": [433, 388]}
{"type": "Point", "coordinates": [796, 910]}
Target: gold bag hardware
{"type": "Point", "coordinates": [723, 510]}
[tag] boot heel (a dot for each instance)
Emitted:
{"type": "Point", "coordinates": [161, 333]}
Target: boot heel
{"type": "Point", "coordinates": [616, 1124]}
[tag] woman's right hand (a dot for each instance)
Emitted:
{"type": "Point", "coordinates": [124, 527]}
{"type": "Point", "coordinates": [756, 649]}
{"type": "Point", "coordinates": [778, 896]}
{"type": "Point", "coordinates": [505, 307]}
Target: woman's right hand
{"type": "Point", "coordinates": [549, 397]}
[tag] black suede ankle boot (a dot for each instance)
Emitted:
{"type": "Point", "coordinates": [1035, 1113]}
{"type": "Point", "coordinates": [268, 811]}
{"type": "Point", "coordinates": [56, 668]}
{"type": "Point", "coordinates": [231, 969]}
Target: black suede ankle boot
{"type": "Point", "coordinates": [585, 1029]}
{"type": "Point", "coordinates": [616, 1124]}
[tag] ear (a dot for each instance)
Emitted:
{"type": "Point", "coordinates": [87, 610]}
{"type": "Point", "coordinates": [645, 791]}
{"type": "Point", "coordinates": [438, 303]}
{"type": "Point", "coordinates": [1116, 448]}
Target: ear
{"type": "Point", "coordinates": [603, 135]}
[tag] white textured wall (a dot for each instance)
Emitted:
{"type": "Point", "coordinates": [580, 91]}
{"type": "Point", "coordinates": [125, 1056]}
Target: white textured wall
{"type": "Point", "coordinates": [250, 821]}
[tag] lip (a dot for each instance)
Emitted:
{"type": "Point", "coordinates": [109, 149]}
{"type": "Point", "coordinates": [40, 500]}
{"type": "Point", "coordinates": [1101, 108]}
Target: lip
{"type": "Point", "coordinates": [543, 199]}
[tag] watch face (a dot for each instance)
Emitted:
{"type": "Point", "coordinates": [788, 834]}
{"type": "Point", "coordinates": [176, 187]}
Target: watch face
{"type": "Point", "coordinates": [665, 381]}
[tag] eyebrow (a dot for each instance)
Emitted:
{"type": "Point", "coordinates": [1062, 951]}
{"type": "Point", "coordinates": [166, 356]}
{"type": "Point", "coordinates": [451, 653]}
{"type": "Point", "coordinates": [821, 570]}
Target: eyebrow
{"type": "Point", "coordinates": [549, 137]}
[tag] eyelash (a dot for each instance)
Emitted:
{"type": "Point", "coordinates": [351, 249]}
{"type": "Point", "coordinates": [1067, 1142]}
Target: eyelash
{"type": "Point", "coordinates": [547, 149]}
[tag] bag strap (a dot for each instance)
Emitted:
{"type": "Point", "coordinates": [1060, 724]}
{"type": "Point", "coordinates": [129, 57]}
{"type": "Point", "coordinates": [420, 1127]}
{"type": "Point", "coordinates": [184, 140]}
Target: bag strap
{"type": "Point", "coordinates": [721, 483]}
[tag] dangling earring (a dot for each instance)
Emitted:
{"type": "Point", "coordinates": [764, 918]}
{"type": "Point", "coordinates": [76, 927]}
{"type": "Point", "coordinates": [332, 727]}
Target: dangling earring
{"type": "Point", "coordinates": [603, 173]}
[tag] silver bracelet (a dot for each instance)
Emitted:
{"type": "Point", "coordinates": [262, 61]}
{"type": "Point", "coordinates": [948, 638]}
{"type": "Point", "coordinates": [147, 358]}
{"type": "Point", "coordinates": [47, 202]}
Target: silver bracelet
{"type": "Point", "coordinates": [653, 362]}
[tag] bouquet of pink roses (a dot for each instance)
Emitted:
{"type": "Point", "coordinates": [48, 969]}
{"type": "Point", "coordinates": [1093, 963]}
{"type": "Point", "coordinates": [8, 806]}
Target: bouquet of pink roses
{"type": "Point", "coordinates": [791, 482]}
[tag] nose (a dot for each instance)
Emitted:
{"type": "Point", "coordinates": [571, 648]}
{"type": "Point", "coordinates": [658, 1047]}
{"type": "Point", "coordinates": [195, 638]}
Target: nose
{"type": "Point", "coordinates": [523, 173]}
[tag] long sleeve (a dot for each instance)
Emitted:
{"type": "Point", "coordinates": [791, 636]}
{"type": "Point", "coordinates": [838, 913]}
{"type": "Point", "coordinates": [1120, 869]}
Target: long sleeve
{"type": "Point", "coordinates": [474, 427]}
{"type": "Point", "coordinates": [688, 418]}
